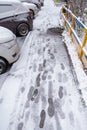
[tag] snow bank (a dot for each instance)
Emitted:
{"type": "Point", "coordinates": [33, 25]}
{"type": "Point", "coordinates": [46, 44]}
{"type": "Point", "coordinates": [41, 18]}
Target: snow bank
{"type": "Point", "coordinates": [78, 67]}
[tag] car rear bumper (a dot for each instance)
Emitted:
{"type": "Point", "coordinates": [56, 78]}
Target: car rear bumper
{"type": "Point", "coordinates": [13, 53]}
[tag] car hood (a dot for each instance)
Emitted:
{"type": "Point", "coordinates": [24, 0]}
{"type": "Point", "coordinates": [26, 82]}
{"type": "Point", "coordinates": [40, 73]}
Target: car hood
{"type": "Point", "coordinates": [5, 35]}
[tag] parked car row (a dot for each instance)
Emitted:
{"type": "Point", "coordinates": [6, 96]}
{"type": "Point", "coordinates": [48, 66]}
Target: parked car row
{"type": "Point", "coordinates": [16, 19]}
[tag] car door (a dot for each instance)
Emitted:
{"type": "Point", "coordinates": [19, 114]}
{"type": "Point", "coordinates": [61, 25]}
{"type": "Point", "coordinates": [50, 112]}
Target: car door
{"type": "Point", "coordinates": [7, 16]}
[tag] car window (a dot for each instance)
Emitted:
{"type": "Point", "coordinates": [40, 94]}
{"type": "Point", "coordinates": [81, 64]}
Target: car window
{"type": "Point", "coordinates": [6, 8]}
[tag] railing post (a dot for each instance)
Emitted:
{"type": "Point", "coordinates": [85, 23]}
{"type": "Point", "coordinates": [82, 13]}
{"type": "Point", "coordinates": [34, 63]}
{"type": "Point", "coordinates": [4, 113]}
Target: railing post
{"type": "Point", "coordinates": [73, 20]}
{"type": "Point", "coordinates": [72, 24]}
{"type": "Point", "coordinates": [83, 44]}
{"type": "Point", "coordinates": [85, 38]}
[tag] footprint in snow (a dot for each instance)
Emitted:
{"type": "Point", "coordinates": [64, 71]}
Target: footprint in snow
{"type": "Point", "coordinates": [42, 120]}
{"type": "Point", "coordinates": [62, 66]}
{"type": "Point", "coordinates": [58, 108]}
{"type": "Point", "coordinates": [30, 93]}
{"type": "Point", "coordinates": [22, 89]}
{"type": "Point", "coordinates": [60, 92]}
{"type": "Point", "coordinates": [62, 77]}
{"type": "Point", "coordinates": [35, 93]}
{"type": "Point", "coordinates": [44, 76]}
{"type": "Point", "coordinates": [20, 126]}
{"type": "Point", "coordinates": [1, 100]}
{"type": "Point", "coordinates": [51, 107]}
{"type": "Point", "coordinates": [44, 63]}
{"type": "Point", "coordinates": [38, 80]}
{"type": "Point", "coordinates": [71, 118]}
{"type": "Point", "coordinates": [40, 68]}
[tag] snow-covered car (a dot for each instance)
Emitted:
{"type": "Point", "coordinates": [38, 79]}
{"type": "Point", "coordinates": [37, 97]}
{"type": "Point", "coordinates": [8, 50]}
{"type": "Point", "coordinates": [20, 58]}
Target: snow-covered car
{"type": "Point", "coordinates": [36, 2]}
{"type": "Point", "coordinates": [32, 7]}
{"type": "Point", "coordinates": [9, 49]}
{"type": "Point", "coordinates": [16, 17]}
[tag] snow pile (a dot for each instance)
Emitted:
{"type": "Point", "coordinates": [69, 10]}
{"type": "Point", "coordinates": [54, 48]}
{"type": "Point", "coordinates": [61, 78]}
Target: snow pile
{"type": "Point", "coordinates": [48, 17]}
{"type": "Point", "coordinates": [81, 76]}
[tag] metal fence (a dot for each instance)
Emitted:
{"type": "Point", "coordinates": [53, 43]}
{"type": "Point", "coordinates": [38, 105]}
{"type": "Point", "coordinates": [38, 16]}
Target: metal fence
{"type": "Point", "coordinates": [78, 32]}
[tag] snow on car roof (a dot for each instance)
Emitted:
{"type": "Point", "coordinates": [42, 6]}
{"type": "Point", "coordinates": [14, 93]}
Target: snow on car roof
{"type": "Point", "coordinates": [9, 1]}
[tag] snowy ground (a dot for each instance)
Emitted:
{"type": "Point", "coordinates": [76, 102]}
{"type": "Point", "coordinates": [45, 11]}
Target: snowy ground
{"type": "Point", "coordinates": [20, 41]}
{"type": "Point", "coordinates": [40, 91]}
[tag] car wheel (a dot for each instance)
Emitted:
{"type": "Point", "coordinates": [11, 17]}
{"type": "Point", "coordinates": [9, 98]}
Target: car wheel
{"type": "Point", "coordinates": [23, 29]}
{"type": "Point", "coordinates": [3, 66]}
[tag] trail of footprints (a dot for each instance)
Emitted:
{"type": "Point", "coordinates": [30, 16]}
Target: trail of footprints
{"type": "Point", "coordinates": [54, 106]}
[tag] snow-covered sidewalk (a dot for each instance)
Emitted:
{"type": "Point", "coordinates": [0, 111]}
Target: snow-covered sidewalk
{"type": "Point", "coordinates": [40, 91]}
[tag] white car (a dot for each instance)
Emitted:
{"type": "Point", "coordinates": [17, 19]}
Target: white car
{"type": "Point", "coordinates": [9, 49]}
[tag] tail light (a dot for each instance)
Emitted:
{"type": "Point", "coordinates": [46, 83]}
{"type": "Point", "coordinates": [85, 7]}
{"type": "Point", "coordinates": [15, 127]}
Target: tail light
{"type": "Point", "coordinates": [29, 13]}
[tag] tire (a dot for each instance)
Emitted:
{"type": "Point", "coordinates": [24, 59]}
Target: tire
{"type": "Point", "coordinates": [3, 66]}
{"type": "Point", "coordinates": [23, 29]}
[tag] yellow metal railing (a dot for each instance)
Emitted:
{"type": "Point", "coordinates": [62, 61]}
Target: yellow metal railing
{"type": "Point", "coordinates": [73, 24]}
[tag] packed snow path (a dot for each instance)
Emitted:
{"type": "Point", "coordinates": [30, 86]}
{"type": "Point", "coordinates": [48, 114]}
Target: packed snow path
{"type": "Point", "coordinates": [40, 92]}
